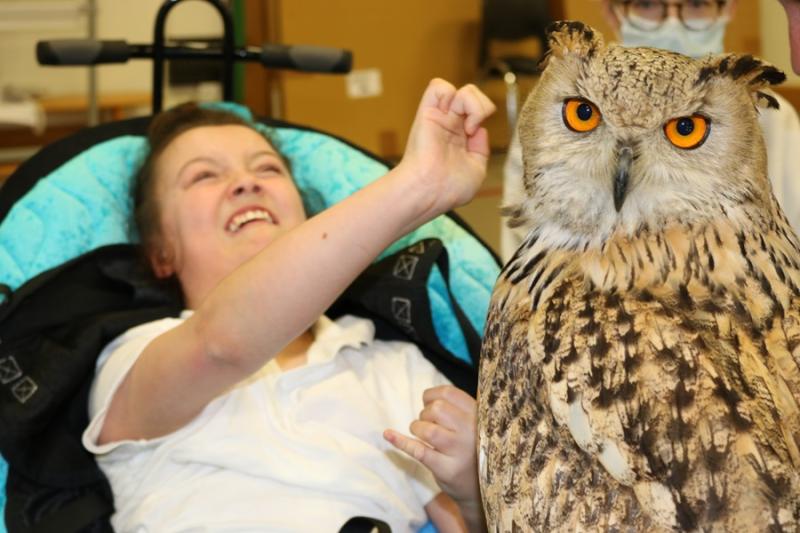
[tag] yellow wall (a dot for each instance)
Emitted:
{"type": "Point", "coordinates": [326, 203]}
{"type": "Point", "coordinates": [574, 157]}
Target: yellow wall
{"type": "Point", "coordinates": [406, 43]}
{"type": "Point", "coordinates": [775, 39]}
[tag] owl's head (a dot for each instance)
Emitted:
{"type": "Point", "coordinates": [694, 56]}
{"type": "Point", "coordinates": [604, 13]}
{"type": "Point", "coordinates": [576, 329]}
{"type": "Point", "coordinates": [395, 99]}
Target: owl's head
{"type": "Point", "coordinates": [618, 139]}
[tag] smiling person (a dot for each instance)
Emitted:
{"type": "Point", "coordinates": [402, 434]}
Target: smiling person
{"type": "Point", "coordinates": [253, 411]}
{"type": "Point", "coordinates": [695, 28]}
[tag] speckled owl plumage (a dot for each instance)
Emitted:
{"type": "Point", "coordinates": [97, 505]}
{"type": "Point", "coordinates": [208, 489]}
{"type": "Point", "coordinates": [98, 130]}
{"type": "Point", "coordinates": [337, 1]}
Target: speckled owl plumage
{"type": "Point", "coordinates": [641, 363]}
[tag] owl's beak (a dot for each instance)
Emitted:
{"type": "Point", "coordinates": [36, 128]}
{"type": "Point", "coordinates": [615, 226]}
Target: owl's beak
{"type": "Point", "coordinates": [625, 157]}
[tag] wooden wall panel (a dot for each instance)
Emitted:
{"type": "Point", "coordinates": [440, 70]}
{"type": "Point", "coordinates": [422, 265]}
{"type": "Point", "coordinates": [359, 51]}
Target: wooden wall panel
{"type": "Point", "coordinates": [410, 42]}
{"type": "Point", "coordinates": [791, 93]}
{"type": "Point", "coordinates": [588, 12]}
{"type": "Point", "coordinates": [256, 87]}
{"type": "Point", "coordinates": [743, 33]}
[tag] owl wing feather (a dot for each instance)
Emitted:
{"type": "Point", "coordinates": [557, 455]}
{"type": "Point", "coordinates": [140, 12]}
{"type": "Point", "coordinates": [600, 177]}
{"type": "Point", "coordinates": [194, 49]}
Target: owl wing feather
{"type": "Point", "coordinates": [670, 407]}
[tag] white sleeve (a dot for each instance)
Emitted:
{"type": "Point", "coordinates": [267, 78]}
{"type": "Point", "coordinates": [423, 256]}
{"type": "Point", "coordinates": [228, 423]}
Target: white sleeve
{"type": "Point", "coordinates": [114, 363]}
{"type": "Point", "coordinates": [781, 129]}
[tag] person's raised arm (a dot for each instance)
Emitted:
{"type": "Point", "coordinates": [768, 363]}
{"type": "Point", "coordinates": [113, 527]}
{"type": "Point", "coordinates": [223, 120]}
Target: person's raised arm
{"type": "Point", "coordinates": [271, 299]}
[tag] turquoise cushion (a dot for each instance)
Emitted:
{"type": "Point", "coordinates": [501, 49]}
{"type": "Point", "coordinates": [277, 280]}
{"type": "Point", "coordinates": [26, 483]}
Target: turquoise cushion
{"type": "Point", "coordinates": [3, 475]}
{"type": "Point", "coordinates": [85, 204]}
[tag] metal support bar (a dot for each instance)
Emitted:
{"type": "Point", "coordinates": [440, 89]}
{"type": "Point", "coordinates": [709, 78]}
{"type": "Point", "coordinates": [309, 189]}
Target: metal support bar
{"type": "Point", "coordinates": [94, 111]}
{"type": "Point", "coordinates": [159, 51]}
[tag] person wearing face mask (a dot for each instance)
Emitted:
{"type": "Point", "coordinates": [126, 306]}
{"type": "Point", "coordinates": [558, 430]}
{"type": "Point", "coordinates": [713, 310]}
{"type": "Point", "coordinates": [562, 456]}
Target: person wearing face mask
{"type": "Point", "coordinates": [695, 28]}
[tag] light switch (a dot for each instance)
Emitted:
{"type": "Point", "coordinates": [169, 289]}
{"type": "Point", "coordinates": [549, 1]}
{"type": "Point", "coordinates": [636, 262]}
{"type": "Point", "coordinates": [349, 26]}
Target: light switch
{"type": "Point", "coordinates": [364, 83]}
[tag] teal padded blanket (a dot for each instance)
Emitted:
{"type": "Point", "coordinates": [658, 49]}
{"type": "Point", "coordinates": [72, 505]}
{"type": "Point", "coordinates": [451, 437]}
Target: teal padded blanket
{"type": "Point", "coordinates": [3, 474]}
{"type": "Point", "coordinates": [85, 204]}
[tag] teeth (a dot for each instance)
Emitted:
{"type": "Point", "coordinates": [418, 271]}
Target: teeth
{"type": "Point", "coordinates": [254, 214]}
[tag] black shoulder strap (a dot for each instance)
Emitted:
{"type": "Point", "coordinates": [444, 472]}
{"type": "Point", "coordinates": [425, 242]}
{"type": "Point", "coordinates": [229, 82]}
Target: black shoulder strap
{"type": "Point", "coordinates": [471, 336]}
{"type": "Point", "coordinates": [86, 510]}
{"type": "Point", "coordinates": [394, 293]}
{"type": "Point", "coordinates": [362, 524]}
{"type": "Point", "coordinates": [51, 330]}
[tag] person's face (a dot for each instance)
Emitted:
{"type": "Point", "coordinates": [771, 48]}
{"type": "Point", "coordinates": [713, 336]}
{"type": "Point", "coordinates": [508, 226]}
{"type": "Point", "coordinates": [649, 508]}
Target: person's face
{"type": "Point", "coordinates": [792, 8]}
{"type": "Point", "coordinates": [614, 10]}
{"type": "Point", "coordinates": [224, 194]}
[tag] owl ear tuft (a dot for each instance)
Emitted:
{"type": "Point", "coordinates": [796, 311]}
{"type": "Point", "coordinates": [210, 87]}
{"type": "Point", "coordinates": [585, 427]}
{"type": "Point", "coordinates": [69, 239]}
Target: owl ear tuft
{"type": "Point", "coordinates": [755, 73]}
{"type": "Point", "coordinates": [571, 37]}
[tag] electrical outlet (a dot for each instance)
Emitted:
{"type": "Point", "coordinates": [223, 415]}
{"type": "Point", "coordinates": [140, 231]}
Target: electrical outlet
{"type": "Point", "coordinates": [364, 83]}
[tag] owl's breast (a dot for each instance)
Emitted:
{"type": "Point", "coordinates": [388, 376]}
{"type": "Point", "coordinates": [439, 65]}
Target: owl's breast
{"type": "Point", "coordinates": [644, 377]}
{"type": "Point", "coordinates": [534, 476]}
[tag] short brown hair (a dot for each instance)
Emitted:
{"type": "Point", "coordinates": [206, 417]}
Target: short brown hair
{"type": "Point", "coordinates": [165, 128]}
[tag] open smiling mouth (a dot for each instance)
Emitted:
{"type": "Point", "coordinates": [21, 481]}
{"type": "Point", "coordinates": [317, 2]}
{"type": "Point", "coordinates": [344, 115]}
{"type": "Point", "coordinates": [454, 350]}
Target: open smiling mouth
{"type": "Point", "coordinates": [240, 220]}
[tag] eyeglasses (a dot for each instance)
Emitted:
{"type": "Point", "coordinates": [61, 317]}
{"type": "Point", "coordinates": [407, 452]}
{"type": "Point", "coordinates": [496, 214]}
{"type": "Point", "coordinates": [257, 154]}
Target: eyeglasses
{"type": "Point", "coordinates": [695, 15]}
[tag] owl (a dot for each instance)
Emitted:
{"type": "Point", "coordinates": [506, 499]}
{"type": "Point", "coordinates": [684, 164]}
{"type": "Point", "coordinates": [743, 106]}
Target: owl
{"type": "Point", "coordinates": [640, 366]}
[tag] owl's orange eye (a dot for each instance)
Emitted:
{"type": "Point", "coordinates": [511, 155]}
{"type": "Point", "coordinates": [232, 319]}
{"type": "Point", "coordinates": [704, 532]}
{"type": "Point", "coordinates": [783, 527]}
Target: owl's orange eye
{"type": "Point", "coordinates": [580, 115]}
{"type": "Point", "coordinates": [687, 132]}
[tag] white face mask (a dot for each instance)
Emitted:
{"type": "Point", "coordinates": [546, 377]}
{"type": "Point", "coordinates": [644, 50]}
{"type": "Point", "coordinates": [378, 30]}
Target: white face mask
{"type": "Point", "coordinates": [673, 35]}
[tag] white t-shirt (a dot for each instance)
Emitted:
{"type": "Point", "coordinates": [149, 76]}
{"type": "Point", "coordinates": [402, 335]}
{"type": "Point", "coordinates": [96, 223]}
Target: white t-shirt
{"type": "Point", "coordinates": [300, 450]}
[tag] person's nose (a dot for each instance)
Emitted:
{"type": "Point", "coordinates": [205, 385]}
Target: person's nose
{"type": "Point", "coordinates": [243, 183]}
{"type": "Point", "coordinates": [673, 10]}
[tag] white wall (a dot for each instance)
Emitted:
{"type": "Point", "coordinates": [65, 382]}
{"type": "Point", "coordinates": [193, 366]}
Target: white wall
{"type": "Point", "coordinates": [130, 20]}
{"type": "Point", "coordinates": [775, 38]}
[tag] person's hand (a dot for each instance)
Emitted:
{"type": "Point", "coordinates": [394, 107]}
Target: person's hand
{"type": "Point", "coordinates": [446, 432]}
{"type": "Point", "coordinates": [447, 148]}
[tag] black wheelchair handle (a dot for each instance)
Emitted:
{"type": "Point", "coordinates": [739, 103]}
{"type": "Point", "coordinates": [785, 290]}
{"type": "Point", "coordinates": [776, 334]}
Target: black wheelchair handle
{"type": "Point", "coordinates": [306, 58]}
{"type": "Point", "coordinates": [277, 56]}
{"type": "Point", "coordinates": [82, 52]}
